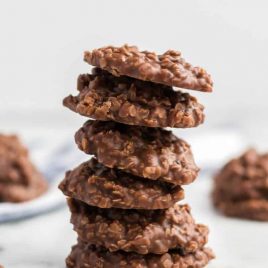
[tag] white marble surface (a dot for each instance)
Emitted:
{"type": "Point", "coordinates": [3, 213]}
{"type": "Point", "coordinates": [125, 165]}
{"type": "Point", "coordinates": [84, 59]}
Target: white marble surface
{"type": "Point", "coordinates": [45, 241]}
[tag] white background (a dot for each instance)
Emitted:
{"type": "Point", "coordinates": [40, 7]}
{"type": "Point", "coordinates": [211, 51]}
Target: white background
{"type": "Point", "coordinates": [42, 44]}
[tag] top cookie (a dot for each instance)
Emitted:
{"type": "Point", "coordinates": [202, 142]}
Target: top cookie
{"type": "Point", "coordinates": [168, 69]}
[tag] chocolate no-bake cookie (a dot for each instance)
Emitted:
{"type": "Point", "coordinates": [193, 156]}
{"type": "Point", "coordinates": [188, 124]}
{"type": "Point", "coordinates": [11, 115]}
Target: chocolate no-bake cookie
{"type": "Point", "coordinates": [252, 209]}
{"type": "Point", "coordinates": [152, 153]}
{"type": "Point", "coordinates": [89, 256]}
{"type": "Point", "coordinates": [97, 185]}
{"type": "Point", "coordinates": [241, 188]}
{"type": "Point", "coordinates": [141, 231]}
{"type": "Point", "coordinates": [15, 192]}
{"type": "Point", "coordinates": [19, 179]}
{"type": "Point", "coordinates": [14, 162]}
{"type": "Point", "coordinates": [130, 101]}
{"type": "Point", "coordinates": [169, 68]}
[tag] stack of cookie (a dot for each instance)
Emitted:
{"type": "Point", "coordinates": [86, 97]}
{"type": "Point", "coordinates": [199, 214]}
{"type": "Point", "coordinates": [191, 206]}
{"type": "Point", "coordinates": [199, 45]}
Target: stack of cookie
{"type": "Point", "coordinates": [123, 200]}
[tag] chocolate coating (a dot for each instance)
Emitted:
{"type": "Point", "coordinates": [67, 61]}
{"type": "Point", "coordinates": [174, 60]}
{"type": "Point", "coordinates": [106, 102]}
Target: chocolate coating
{"type": "Point", "coordinates": [86, 256]}
{"type": "Point", "coordinates": [15, 193]}
{"type": "Point", "coordinates": [19, 179]}
{"type": "Point", "coordinates": [151, 153]}
{"type": "Point", "coordinates": [141, 231]}
{"type": "Point", "coordinates": [241, 187]}
{"type": "Point", "coordinates": [100, 186]}
{"type": "Point", "coordinates": [168, 69]}
{"type": "Point", "coordinates": [103, 96]}
{"type": "Point", "coordinates": [252, 209]}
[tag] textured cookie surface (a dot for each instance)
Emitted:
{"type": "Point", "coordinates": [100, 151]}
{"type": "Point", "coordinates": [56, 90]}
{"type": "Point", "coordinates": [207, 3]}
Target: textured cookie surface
{"type": "Point", "coordinates": [252, 209]}
{"type": "Point", "coordinates": [14, 162]}
{"type": "Point", "coordinates": [14, 193]}
{"type": "Point", "coordinates": [100, 186]}
{"type": "Point", "coordinates": [168, 69]}
{"type": "Point", "coordinates": [241, 188]}
{"type": "Point", "coordinates": [151, 153]}
{"type": "Point", "coordinates": [19, 179]}
{"type": "Point", "coordinates": [103, 96]}
{"type": "Point", "coordinates": [83, 256]}
{"type": "Point", "coordinates": [141, 231]}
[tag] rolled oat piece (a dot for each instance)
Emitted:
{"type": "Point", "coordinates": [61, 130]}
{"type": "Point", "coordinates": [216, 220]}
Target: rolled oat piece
{"type": "Point", "coordinates": [105, 97]}
{"type": "Point", "coordinates": [168, 69]}
{"type": "Point", "coordinates": [97, 185]}
{"type": "Point", "coordinates": [152, 153]}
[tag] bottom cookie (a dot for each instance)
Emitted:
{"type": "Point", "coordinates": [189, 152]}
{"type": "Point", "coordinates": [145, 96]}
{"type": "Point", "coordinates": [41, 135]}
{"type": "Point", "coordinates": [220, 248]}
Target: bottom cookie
{"type": "Point", "coordinates": [84, 256]}
{"type": "Point", "coordinates": [252, 209]}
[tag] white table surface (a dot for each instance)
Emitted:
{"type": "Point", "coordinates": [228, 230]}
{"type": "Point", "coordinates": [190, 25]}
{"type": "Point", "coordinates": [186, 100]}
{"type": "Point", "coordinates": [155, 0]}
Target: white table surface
{"type": "Point", "coordinates": [45, 241]}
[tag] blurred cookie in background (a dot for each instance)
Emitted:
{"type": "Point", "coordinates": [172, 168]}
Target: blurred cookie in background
{"type": "Point", "coordinates": [241, 187]}
{"type": "Point", "coordinates": [19, 179]}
